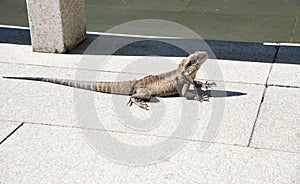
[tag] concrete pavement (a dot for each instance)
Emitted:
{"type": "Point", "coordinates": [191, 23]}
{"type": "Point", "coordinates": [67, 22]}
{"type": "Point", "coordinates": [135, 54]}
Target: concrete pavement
{"type": "Point", "coordinates": [256, 140]}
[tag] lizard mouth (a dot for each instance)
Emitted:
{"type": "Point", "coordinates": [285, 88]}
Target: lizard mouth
{"type": "Point", "coordinates": [201, 56]}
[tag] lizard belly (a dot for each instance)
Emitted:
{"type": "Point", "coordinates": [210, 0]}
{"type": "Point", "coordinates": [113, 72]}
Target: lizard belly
{"type": "Point", "coordinates": [165, 89]}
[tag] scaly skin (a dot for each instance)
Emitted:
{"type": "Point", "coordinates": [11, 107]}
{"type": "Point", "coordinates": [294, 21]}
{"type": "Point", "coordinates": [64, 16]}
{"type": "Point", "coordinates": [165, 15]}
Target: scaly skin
{"type": "Point", "coordinates": [142, 90]}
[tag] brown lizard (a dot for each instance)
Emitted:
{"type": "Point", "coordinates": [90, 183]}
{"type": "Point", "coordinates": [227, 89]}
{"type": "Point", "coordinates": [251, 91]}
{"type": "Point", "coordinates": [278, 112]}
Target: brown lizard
{"type": "Point", "coordinates": [167, 84]}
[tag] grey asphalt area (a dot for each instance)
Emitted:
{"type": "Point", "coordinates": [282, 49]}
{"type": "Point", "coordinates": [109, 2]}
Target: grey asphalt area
{"type": "Point", "coordinates": [249, 131]}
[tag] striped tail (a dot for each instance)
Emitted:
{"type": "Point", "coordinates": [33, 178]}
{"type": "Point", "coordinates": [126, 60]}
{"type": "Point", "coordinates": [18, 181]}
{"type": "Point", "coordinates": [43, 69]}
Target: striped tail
{"type": "Point", "coordinates": [122, 88]}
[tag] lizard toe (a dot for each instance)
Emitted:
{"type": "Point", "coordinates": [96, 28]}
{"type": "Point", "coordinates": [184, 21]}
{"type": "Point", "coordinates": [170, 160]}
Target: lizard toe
{"type": "Point", "coordinates": [202, 98]}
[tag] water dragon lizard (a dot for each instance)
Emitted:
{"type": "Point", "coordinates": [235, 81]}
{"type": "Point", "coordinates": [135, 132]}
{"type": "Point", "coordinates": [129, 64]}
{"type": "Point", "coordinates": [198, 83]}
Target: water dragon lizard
{"type": "Point", "coordinates": [167, 84]}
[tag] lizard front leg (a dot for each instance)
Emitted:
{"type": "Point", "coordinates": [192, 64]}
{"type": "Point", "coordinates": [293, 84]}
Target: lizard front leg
{"type": "Point", "coordinates": [196, 95]}
{"type": "Point", "coordinates": [198, 85]}
{"type": "Point", "coordinates": [205, 85]}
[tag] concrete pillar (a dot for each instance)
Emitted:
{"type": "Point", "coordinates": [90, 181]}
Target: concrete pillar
{"type": "Point", "coordinates": [56, 26]}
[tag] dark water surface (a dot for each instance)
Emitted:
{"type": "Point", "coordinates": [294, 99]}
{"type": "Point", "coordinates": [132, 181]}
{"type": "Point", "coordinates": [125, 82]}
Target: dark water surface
{"type": "Point", "coordinates": [234, 20]}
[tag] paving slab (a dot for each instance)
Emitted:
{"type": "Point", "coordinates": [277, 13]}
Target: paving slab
{"type": "Point", "coordinates": [286, 70]}
{"type": "Point", "coordinates": [46, 103]}
{"type": "Point", "coordinates": [46, 154]}
{"type": "Point", "coordinates": [6, 128]}
{"type": "Point", "coordinates": [234, 71]}
{"type": "Point", "coordinates": [23, 54]}
{"type": "Point", "coordinates": [36, 101]}
{"type": "Point", "coordinates": [218, 117]}
{"type": "Point", "coordinates": [223, 70]}
{"type": "Point", "coordinates": [278, 124]}
{"type": "Point", "coordinates": [285, 75]}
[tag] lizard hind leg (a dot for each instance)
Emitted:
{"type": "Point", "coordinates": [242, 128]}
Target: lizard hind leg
{"type": "Point", "coordinates": [138, 102]}
{"type": "Point", "coordinates": [140, 98]}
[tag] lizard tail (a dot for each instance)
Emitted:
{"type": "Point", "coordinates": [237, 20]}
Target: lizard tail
{"type": "Point", "coordinates": [124, 88]}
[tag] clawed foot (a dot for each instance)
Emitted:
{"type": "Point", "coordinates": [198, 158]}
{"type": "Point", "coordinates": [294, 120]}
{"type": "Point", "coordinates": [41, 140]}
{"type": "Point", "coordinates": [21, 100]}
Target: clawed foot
{"type": "Point", "coordinates": [205, 85]}
{"type": "Point", "coordinates": [202, 98]}
{"type": "Point", "coordinates": [137, 102]}
{"type": "Point", "coordinates": [197, 95]}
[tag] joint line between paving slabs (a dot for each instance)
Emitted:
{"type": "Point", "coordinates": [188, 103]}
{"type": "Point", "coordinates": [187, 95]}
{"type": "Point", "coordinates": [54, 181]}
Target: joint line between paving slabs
{"type": "Point", "coordinates": [263, 96]}
{"type": "Point", "coordinates": [11, 133]}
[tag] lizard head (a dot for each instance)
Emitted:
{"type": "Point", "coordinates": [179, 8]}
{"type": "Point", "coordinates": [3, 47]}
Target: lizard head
{"type": "Point", "coordinates": [190, 65]}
